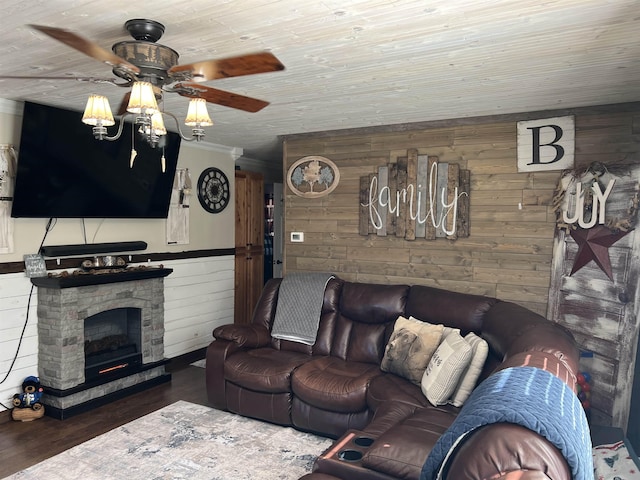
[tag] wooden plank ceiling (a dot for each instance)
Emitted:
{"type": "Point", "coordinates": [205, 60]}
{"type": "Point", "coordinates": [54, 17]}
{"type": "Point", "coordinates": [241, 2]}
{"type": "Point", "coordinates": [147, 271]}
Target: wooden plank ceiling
{"type": "Point", "coordinates": [349, 63]}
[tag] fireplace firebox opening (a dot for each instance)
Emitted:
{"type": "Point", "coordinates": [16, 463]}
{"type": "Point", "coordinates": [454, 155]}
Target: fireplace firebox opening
{"type": "Point", "coordinates": [112, 342]}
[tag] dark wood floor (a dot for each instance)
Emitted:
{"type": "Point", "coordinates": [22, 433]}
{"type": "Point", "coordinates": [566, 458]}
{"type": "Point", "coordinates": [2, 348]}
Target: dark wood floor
{"type": "Point", "coordinates": [23, 444]}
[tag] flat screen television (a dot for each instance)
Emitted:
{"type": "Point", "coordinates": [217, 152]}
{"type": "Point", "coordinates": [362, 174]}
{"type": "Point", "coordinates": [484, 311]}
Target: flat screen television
{"type": "Point", "coordinates": [64, 172]}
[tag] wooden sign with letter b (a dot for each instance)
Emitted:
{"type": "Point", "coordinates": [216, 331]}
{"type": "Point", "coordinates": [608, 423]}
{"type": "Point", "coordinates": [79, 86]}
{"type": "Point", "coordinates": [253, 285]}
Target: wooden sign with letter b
{"type": "Point", "coordinates": [546, 144]}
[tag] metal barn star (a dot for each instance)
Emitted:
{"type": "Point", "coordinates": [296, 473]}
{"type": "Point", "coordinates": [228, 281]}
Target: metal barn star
{"type": "Point", "coordinates": [593, 244]}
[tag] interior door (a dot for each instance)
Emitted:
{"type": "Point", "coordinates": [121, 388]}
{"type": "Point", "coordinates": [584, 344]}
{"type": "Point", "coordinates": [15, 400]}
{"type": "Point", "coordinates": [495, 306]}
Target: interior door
{"type": "Point", "coordinates": [602, 312]}
{"type": "Point", "coordinates": [278, 229]}
{"type": "Point", "coordinates": [249, 243]}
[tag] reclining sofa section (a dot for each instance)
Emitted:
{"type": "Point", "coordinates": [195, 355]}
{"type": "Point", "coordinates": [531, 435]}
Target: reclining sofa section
{"type": "Point", "coordinates": [336, 386]}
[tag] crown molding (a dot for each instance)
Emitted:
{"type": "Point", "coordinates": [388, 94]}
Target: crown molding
{"type": "Point", "coordinates": [235, 152]}
{"type": "Point", "coordinates": [272, 173]}
{"type": "Point", "coordinates": [251, 164]}
{"type": "Point", "coordinates": [11, 107]}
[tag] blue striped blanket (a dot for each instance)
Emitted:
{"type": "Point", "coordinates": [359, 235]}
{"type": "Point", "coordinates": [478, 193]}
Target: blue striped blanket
{"type": "Point", "coordinates": [530, 397]}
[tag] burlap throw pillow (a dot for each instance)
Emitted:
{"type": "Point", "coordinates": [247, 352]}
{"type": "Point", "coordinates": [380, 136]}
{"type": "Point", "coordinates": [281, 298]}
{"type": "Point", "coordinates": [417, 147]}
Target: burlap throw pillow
{"type": "Point", "coordinates": [410, 348]}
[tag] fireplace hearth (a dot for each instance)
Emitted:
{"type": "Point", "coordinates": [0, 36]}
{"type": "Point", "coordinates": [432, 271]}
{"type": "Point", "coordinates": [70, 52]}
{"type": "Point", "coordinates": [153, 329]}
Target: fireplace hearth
{"type": "Point", "coordinates": [101, 337]}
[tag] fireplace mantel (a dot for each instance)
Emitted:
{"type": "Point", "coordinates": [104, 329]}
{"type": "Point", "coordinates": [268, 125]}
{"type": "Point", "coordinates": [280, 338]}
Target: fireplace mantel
{"type": "Point", "coordinates": [84, 279]}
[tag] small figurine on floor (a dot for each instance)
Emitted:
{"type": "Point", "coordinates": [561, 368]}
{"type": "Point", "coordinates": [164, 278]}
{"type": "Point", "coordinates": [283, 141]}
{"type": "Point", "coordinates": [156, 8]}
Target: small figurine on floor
{"type": "Point", "coordinates": [27, 405]}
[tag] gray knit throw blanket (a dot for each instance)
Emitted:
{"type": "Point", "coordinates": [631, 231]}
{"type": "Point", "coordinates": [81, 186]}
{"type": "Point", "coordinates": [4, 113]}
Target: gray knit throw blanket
{"type": "Point", "coordinates": [300, 306]}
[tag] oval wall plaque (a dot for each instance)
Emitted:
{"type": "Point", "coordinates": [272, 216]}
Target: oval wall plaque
{"type": "Point", "coordinates": [313, 177]}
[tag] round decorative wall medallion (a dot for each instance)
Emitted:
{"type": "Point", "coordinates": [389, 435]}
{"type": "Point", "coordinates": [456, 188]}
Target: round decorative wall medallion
{"type": "Point", "coordinates": [213, 190]}
{"type": "Point", "coordinates": [313, 177]}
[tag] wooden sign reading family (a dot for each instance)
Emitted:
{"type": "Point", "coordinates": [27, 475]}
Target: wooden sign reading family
{"type": "Point", "coordinates": [417, 197]}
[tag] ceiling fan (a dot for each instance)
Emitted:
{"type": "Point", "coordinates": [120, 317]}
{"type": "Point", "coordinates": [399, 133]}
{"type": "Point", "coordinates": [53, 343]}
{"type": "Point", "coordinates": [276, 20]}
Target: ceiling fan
{"type": "Point", "coordinates": [144, 60]}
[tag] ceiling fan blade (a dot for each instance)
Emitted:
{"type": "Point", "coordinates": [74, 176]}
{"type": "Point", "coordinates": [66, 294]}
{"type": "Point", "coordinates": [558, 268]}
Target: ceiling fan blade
{"type": "Point", "coordinates": [220, 97]}
{"type": "Point", "coordinates": [122, 109]}
{"type": "Point", "coordinates": [87, 47]}
{"type": "Point", "coordinates": [227, 67]}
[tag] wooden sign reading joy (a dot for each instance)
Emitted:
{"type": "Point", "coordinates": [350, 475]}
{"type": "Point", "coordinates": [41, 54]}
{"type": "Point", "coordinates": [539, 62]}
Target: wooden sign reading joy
{"type": "Point", "coordinates": [417, 197]}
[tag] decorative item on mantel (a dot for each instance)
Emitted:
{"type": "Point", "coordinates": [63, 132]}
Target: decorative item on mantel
{"type": "Point", "coordinates": [109, 262]}
{"type": "Point", "coordinates": [97, 275]}
{"type": "Point", "coordinates": [416, 197]}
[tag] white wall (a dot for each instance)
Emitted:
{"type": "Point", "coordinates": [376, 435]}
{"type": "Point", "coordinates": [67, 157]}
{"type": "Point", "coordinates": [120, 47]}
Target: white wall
{"type": "Point", "coordinates": [14, 295]}
{"type": "Point", "coordinates": [198, 294]}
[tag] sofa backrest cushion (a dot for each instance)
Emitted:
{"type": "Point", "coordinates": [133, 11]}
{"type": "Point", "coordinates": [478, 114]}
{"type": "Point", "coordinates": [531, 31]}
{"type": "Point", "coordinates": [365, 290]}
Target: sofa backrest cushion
{"type": "Point", "coordinates": [365, 320]}
{"type": "Point", "coordinates": [452, 309]}
{"type": "Point", "coordinates": [330, 309]}
{"type": "Point", "coordinates": [265, 309]}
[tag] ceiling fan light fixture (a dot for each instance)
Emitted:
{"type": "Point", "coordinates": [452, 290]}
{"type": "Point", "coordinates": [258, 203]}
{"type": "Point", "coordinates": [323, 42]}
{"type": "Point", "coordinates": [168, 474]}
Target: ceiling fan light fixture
{"type": "Point", "coordinates": [143, 99]}
{"type": "Point", "coordinates": [156, 128]}
{"type": "Point", "coordinates": [150, 69]}
{"type": "Point", "coordinates": [157, 124]}
{"type": "Point", "coordinates": [98, 112]}
{"type": "Point", "coordinates": [153, 129]}
{"type": "Point", "coordinates": [197, 115]}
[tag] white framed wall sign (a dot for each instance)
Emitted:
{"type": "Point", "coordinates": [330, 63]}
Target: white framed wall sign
{"type": "Point", "coordinates": [546, 144]}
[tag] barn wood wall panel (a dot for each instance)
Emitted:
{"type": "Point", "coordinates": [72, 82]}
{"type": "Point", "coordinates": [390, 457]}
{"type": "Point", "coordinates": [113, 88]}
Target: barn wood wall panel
{"type": "Point", "coordinates": [509, 250]}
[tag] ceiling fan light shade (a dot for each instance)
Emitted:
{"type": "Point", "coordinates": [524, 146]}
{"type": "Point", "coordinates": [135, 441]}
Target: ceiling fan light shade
{"type": "Point", "coordinates": [197, 115]}
{"type": "Point", "coordinates": [157, 125]}
{"type": "Point", "coordinates": [98, 111]}
{"type": "Point", "coordinates": [142, 99]}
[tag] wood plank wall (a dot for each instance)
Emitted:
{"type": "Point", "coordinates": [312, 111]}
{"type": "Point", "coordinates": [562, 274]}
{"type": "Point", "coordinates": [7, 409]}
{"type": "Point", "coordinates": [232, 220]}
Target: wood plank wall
{"type": "Point", "coordinates": [508, 253]}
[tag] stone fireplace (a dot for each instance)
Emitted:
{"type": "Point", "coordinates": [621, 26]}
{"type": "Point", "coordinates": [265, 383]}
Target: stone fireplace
{"type": "Point", "coordinates": [100, 336]}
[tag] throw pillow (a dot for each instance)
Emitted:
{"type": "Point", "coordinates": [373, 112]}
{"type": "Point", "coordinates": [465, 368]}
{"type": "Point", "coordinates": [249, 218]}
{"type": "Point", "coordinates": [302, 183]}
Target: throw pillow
{"type": "Point", "coordinates": [447, 330]}
{"type": "Point", "coordinates": [445, 368]}
{"type": "Point", "coordinates": [410, 348]}
{"type": "Point", "coordinates": [479, 353]}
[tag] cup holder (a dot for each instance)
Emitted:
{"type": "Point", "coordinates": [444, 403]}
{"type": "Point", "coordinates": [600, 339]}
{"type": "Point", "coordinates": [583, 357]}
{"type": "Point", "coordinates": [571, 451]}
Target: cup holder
{"type": "Point", "coordinates": [363, 441]}
{"type": "Point", "coordinates": [350, 455]}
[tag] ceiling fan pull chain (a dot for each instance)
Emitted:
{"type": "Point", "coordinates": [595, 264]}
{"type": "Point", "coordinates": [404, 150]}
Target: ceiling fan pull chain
{"type": "Point", "coordinates": [133, 149]}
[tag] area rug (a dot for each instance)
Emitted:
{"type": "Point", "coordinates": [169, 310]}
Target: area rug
{"type": "Point", "coordinates": [199, 363]}
{"type": "Point", "coordinates": [187, 441]}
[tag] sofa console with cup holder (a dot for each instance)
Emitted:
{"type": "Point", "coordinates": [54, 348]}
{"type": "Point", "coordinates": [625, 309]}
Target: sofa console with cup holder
{"type": "Point", "coordinates": [412, 382]}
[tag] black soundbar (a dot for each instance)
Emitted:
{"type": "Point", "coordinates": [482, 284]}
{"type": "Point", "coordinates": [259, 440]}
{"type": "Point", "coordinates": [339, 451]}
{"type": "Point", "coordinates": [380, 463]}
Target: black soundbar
{"type": "Point", "coordinates": [91, 248]}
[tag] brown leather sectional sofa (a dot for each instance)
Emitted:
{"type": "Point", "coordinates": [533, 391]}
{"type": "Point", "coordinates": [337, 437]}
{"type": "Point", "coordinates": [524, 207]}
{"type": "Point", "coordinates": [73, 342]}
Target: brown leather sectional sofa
{"type": "Point", "coordinates": [383, 425]}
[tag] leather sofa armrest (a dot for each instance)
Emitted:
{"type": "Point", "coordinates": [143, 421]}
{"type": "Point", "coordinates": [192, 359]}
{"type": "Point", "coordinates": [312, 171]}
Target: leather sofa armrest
{"type": "Point", "coordinates": [247, 336]}
{"type": "Point", "coordinates": [217, 353]}
{"type": "Point", "coordinates": [505, 451]}
{"type": "Point", "coordinates": [524, 475]}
